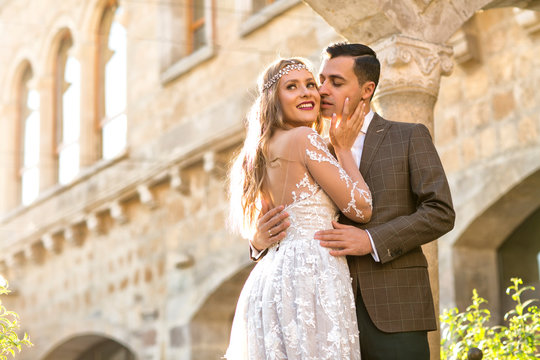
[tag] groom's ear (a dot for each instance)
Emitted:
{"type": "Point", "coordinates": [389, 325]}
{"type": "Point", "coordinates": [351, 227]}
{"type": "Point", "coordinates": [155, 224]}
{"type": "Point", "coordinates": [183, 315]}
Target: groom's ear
{"type": "Point", "coordinates": [367, 90]}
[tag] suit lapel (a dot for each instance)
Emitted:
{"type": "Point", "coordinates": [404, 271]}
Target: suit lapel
{"type": "Point", "coordinates": [374, 135]}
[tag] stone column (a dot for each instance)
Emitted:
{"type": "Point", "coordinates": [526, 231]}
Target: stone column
{"type": "Point", "coordinates": [9, 186]}
{"type": "Point", "coordinates": [48, 167]}
{"type": "Point", "coordinates": [408, 88]}
{"type": "Point", "coordinates": [410, 76]}
{"type": "Point", "coordinates": [90, 131]}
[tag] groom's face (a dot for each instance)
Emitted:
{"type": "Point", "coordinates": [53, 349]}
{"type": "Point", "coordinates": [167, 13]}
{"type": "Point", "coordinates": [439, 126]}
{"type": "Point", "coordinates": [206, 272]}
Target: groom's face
{"type": "Point", "coordinates": [338, 81]}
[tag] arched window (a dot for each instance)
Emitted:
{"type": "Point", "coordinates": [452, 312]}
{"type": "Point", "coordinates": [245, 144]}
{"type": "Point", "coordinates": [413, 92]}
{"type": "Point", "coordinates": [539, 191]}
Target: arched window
{"type": "Point", "coordinates": [113, 74]}
{"type": "Point", "coordinates": [29, 140]}
{"type": "Point", "coordinates": [68, 97]}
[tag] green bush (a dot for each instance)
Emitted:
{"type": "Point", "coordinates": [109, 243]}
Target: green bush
{"type": "Point", "coordinates": [9, 324]}
{"type": "Point", "coordinates": [520, 339]}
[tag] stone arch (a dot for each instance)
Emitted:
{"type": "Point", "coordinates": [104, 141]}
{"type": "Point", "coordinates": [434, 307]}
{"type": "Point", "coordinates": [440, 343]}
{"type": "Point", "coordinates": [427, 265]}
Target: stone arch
{"type": "Point", "coordinates": [11, 123]}
{"type": "Point", "coordinates": [69, 343]}
{"type": "Point", "coordinates": [54, 46]}
{"type": "Point", "coordinates": [61, 26]}
{"type": "Point", "coordinates": [432, 21]}
{"type": "Point", "coordinates": [95, 10]}
{"type": "Point", "coordinates": [86, 346]}
{"type": "Point", "coordinates": [519, 257]}
{"type": "Point", "coordinates": [210, 326]}
{"type": "Point", "coordinates": [475, 260]}
{"type": "Point", "coordinates": [19, 64]}
{"type": "Point", "coordinates": [95, 29]}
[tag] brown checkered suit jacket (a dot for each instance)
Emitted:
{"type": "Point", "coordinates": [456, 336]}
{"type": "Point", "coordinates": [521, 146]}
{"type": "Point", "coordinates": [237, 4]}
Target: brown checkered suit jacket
{"type": "Point", "coordinates": [411, 206]}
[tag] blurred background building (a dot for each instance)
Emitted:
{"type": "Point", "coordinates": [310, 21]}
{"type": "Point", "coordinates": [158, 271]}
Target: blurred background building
{"type": "Point", "coordinates": [119, 118]}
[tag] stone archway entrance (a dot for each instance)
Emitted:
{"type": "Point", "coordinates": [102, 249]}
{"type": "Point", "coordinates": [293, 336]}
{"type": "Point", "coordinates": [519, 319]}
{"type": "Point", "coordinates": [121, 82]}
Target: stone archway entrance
{"type": "Point", "coordinates": [485, 248]}
{"type": "Point", "coordinates": [519, 256]}
{"type": "Point", "coordinates": [210, 327]}
{"type": "Point", "coordinates": [90, 347]}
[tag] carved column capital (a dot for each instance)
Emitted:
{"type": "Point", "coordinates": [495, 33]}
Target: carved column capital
{"type": "Point", "coordinates": [411, 70]}
{"type": "Point", "coordinates": [409, 64]}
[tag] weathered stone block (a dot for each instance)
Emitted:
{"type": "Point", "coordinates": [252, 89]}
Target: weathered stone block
{"type": "Point", "coordinates": [528, 130]}
{"type": "Point", "coordinates": [503, 104]}
{"type": "Point", "coordinates": [477, 83]}
{"type": "Point", "coordinates": [488, 142]}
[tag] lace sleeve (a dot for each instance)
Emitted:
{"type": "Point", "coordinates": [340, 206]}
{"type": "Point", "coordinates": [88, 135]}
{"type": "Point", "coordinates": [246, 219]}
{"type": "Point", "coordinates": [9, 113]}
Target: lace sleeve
{"type": "Point", "coordinates": [348, 191]}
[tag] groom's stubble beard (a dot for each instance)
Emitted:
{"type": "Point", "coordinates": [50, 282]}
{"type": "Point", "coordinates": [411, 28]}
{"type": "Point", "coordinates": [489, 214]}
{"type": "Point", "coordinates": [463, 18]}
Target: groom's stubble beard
{"type": "Point", "coordinates": [354, 100]}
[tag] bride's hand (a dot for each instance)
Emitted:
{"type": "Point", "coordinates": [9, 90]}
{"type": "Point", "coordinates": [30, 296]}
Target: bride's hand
{"type": "Point", "coordinates": [271, 227]}
{"type": "Point", "coordinates": [343, 133]}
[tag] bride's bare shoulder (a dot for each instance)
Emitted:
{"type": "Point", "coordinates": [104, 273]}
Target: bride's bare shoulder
{"type": "Point", "coordinates": [287, 142]}
{"type": "Point", "coordinates": [300, 133]}
{"type": "Point", "coordinates": [295, 134]}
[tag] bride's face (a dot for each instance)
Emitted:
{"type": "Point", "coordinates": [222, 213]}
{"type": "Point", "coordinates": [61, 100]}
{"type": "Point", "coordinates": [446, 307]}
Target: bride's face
{"type": "Point", "coordinates": [299, 98]}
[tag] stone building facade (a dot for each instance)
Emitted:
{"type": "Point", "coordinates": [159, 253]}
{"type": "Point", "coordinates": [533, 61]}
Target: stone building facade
{"type": "Point", "coordinates": [113, 231]}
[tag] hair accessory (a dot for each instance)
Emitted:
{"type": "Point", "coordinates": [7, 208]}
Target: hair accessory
{"type": "Point", "coordinates": [285, 70]}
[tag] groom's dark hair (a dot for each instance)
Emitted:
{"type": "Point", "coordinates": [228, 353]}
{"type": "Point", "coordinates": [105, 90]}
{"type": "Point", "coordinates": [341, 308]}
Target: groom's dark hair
{"type": "Point", "coordinates": [366, 65]}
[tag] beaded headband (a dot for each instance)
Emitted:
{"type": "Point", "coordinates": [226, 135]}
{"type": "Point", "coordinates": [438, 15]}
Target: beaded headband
{"type": "Point", "coordinates": [285, 70]}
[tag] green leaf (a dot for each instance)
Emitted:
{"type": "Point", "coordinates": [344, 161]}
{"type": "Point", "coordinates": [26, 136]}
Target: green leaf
{"type": "Point", "coordinates": [519, 340]}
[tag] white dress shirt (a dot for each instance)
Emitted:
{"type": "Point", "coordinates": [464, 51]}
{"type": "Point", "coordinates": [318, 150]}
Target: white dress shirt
{"type": "Point", "coordinates": [359, 142]}
{"type": "Point", "coordinates": [357, 155]}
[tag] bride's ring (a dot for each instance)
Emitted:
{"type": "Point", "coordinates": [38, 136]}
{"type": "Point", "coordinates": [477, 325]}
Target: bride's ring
{"type": "Point", "coordinates": [269, 233]}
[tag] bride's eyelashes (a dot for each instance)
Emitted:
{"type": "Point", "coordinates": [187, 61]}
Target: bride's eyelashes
{"type": "Point", "coordinates": [309, 85]}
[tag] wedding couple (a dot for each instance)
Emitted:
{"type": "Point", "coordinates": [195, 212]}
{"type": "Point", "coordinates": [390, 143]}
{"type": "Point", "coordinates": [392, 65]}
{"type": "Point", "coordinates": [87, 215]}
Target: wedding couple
{"type": "Point", "coordinates": [385, 183]}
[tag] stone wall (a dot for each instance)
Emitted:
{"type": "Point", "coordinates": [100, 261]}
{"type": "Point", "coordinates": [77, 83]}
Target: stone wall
{"type": "Point", "coordinates": [136, 249]}
{"type": "Point", "coordinates": [487, 131]}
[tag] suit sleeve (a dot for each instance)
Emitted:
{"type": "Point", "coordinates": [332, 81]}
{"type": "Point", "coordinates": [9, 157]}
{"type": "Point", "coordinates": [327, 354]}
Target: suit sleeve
{"type": "Point", "coordinates": [434, 215]}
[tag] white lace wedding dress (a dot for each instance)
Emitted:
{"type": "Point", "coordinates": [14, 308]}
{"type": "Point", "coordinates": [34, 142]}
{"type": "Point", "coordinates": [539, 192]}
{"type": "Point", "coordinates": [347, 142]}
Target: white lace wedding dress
{"type": "Point", "coordinates": [298, 302]}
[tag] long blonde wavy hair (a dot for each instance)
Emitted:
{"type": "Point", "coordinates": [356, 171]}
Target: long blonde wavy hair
{"type": "Point", "coordinates": [248, 172]}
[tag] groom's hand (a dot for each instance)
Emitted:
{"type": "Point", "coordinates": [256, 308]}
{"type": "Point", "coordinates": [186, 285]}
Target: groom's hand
{"type": "Point", "coordinates": [344, 240]}
{"type": "Point", "coordinates": [271, 227]}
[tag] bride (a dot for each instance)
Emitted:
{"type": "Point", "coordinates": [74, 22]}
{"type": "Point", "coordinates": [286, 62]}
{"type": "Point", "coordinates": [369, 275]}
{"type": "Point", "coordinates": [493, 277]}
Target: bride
{"type": "Point", "coordinates": [297, 302]}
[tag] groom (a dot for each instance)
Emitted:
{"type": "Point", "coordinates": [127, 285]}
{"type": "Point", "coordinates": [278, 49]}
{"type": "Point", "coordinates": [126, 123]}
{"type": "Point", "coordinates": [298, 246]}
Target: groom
{"type": "Point", "coordinates": [411, 207]}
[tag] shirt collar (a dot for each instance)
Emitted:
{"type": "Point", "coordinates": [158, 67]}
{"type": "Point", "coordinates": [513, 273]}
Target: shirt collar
{"type": "Point", "coordinates": [360, 139]}
{"type": "Point", "coordinates": [367, 121]}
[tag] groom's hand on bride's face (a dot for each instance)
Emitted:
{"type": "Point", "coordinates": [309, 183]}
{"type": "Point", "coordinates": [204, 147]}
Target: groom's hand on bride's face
{"type": "Point", "coordinates": [271, 227]}
{"type": "Point", "coordinates": [344, 240]}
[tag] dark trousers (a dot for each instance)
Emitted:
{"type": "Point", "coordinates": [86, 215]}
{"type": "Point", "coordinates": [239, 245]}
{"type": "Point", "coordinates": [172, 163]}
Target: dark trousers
{"type": "Point", "coordinates": [378, 345]}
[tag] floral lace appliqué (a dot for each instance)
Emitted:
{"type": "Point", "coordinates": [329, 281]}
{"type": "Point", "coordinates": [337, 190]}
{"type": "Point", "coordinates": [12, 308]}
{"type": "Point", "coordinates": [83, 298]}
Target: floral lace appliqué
{"type": "Point", "coordinates": [326, 156]}
{"type": "Point", "coordinates": [298, 302]}
{"type": "Point", "coordinates": [306, 185]}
